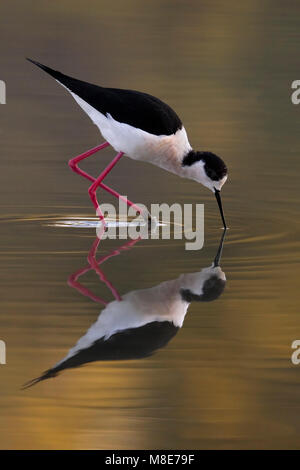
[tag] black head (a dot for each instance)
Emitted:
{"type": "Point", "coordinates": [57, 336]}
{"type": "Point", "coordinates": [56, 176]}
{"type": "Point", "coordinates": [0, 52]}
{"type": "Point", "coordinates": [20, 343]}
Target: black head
{"type": "Point", "coordinates": [212, 289]}
{"type": "Point", "coordinates": [209, 170]}
{"type": "Point", "coordinates": [213, 166]}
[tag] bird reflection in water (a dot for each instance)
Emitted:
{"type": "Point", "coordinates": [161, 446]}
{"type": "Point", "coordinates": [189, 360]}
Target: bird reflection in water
{"type": "Point", "coordinates": [140, 322]}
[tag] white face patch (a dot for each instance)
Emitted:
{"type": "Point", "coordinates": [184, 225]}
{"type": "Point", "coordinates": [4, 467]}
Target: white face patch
{"type": "Point", "coordinates": [218, 184]}
{"type": "Point", "coordinates": [197, 172]}
{"type": "Point", "coordinates": [195, 282]}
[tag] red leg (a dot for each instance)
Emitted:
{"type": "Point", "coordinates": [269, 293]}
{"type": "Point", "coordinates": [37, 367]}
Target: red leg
{"type": "Point", "coordinates": [74, 161]}
{"type": "Point", "coordinates": [96, 184]}
{"type": "Point", "coordinates": [93, 263]}
{"type": "Point", "coordinates": [73, 279]}
{"type": "Point", "coordinates": [73, 164]}
{"type": "Point", "coordinates": [73, 282]}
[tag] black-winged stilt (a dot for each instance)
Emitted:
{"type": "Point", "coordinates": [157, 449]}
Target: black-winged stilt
{"type": "Point", "coordinates": [144, 128]}
{"type": "Point", "coordinates": [140, 322]}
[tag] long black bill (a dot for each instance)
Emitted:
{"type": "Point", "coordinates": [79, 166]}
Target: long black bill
{"type": "Point", "coordinates": [218, 197]}
{"type": "Point", "coordinates": [220, 249]}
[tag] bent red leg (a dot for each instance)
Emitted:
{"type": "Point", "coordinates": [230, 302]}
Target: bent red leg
{"type": "Point", "coordinates": [73, 164]}
{"type": "Point", "coordinates": [119, 196]}
{"type": "Point", "coordinates": [93, 188]}
{"type": "Point", "coordinates": [73, 278]}
{"type": "Point", "coordinates": [95, 266]}
{"type": "Point", "coordinates": [74, 161]}
{"type": "Point", "coordinates": [94, 263]}
{"type": "Point", "coordinates": [73, 282]}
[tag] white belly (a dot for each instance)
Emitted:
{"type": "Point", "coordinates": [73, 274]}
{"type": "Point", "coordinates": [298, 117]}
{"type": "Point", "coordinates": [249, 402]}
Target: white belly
{"type": "Point", "coordinates": [165, 151]}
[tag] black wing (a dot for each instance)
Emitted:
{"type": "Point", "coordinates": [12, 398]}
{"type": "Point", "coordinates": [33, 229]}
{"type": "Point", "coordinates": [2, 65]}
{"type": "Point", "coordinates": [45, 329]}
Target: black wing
{"type": "Point", "coordinates": [135, 108]}
{"type": "Point", "coordinates": [133, 343]}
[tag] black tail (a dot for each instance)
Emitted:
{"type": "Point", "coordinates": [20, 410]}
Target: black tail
{"type": "Point", "coordinates": [46, 375]}
{"type": "Point", "coordinates": [94, 95]}
{"type": "Point", "coordinates": [54, 73]}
